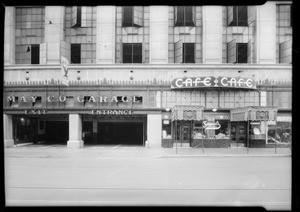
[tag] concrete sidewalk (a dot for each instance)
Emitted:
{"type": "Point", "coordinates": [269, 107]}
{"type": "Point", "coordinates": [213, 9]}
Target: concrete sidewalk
{"type": "Point", "coordinates": [117, 151]}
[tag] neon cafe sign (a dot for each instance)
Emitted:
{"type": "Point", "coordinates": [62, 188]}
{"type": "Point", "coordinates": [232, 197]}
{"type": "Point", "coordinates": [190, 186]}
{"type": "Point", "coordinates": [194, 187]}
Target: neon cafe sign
{"type": "Point", "coordinates": [213, 82]}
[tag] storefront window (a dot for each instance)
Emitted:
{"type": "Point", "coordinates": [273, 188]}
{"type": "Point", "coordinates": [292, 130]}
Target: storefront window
{"type": "Point", "coordinates": [280, 133]}
{"type": "Point", "coordinates": [221, 130]}
{"type": "Point", "coordinates": [166, 128]}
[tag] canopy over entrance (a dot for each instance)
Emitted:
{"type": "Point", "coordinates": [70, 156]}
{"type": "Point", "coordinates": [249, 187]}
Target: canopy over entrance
{"type": "Point", "coordinates": [187, 112]}
{"type": "Point", "coordinates": [254, 113]}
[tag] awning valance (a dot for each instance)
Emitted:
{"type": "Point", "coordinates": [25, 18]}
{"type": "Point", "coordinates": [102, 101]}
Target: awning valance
{"type": "Point", "coordinates": [254, 113]}
{"type": "Point", "coordinates": [187, 112]}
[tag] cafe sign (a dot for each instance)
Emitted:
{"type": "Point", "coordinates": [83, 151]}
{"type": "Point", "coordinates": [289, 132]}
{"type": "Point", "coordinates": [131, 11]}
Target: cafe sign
{"type": "Point", "coordinates": [211, 125]}
{"type": "Point", "coordinates": [213, 82]}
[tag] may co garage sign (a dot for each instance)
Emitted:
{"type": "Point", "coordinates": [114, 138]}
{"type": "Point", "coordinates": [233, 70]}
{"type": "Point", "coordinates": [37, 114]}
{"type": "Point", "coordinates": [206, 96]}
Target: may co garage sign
{"type": "Point", "coordinates": [213, 82]}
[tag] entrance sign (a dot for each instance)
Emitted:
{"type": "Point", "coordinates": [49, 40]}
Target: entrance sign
{"type": "Point", "coordinates": [211, 125]}
{"type": "Point", "coordinates": [111, 112]}
{"type": "Point", "coordinates": [35, 112]}
{"type": "Point", "coordinates": [213, 82]}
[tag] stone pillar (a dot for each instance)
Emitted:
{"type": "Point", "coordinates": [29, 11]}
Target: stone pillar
{"type": "Point", "coordinates": [154, 130]}
{"type": "Point", "coordinates": [212, 34]}
{"type": "Point", "coordinates": [159, 34]}
{"type": "Point", "coordinates": [9, 36]}
{"type": "Point", "coordinates": [75, 131]}
{"type": "Point", "coordinates": [266, 33]}
{"type": "Point", "coordinates": [8, 131]}
{"type": "Point", "coordinates": [54, 32]}
{"type": "Point", "coordinates": [105, 34]}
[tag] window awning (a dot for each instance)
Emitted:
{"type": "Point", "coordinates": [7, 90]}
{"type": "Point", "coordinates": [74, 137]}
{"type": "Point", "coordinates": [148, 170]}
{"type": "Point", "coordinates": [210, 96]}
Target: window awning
{"type": "Point", "coordinates": [253, 113]}
{"type": "Point", "coordinates": [286, 118]}
{"type": "Point", "coordinates": [187, 112]}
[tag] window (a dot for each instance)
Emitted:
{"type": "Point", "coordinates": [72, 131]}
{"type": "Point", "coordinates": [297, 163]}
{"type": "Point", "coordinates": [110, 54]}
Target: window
{"type": "Point", "coordinates": [81, 16]}
{"type": "Point", "coordinates": [239, 52]}
{"type": "Point", "coordinates": [166, 128]}
{"type": "Point", "coordinates": [35, 54]}
{"type": "Point", "coordinates": [284, 15]}
{"type": "Point", "coordinates": [188, 53]}
{"type": "Point", "coordinates": [132, 53]}
{"type": "Point", "coordinates": [285, 52]}
{"type": "Point", "coordinates": [184, 16]}
{"type": "Point", "coordinates": [132, 16]}
{"type": "Point", "coordinates": [184, 52]}
{"type": "Point", "coordinates": [75, 53]}
{"type": "Point", "coordinates": [238, 16]}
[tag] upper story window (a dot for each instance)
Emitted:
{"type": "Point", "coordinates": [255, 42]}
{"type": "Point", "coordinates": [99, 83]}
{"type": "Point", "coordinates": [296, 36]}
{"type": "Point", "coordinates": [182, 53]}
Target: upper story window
{"type": "Point", "coordinates": [238, 52]}
{"type": "Point", "coordinates": [284, 15]}
{"type": "Point", "coordinates": [240, 15]}
{"type": "Point", "coordinates": [75, 53]}
{"type": "Point", "coordinates": [184, 52]}
{"type": "Point", "coordinates": [132, 52]}
{"type": "Point", "coordinates": [35, 54]}
{"type": "Point", "coordinates": [184, 16]}
{"type": "Point", "coordinates": [132, 16]}
{"type": "Point", "coordinates": [81, 16]}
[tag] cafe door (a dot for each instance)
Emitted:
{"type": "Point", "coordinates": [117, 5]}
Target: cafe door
{"type": "Point", "coordinates": [183, 132]}
{"type": "Point", "coordinates": [239, 132]}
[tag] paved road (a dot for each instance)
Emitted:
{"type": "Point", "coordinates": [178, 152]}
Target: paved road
{"type": "Point", "coordinates": [55, 176]}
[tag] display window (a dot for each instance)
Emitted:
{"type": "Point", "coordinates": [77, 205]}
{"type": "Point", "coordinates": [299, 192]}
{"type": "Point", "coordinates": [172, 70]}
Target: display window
{"type": "Point", "coordinates": [166, 128]}
{"type": "Point", "coordinates": [280, 133]}
{"type": "Point", "coordinates": [218, 129]}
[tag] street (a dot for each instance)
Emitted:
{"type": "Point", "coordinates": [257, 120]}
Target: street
{"type": "Point", "coordinates": [40, 177]}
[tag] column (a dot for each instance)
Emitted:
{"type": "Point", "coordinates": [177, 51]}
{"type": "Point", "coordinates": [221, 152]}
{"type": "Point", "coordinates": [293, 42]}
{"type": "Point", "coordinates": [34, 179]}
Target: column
{"type": "Point", "coordinates": [266, 33]}
{"type": "Point", "coordinates": [105, 34]}
{"type": "Point", "coordinates": [212, 34]}
{"type": "Point", "coordinates": [9, 36]}
{"type": "Point", "coordinates": [75, 131]}
{"type": "Point", "coordinates": [8, 131]}
{"type": "Point", "coordinates": [159, 34]}
{"type": "Point", "coordinates": [154, 130]}
{"type": "Point", "coordinates": [54, 32]}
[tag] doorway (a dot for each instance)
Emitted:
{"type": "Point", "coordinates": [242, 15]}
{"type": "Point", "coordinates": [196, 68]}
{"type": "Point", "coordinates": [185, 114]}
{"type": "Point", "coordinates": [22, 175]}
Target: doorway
{"type": "Point", "coordinates": [183, 133]}
{"type": "Point", "coordinates": [239, 132]}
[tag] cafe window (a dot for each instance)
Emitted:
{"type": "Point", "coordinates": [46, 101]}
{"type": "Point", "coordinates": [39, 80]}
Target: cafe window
{"type": "Point", "coordinates": [132, 16]}
{"type": "Point", "coordinates": [221, 130]}
{"type": "Point", "coordinates": [75, 53]}
{"type": "Point", "coordinates": [184, 16]}
{"type": "Point", "coordinates": [238, 52]}
{"type": "Point", "coordinates": [132, 52]}
{"type": "Point", "coordinates": [184, 52]}
{"type": "Point", "coordinates": [166, 128]}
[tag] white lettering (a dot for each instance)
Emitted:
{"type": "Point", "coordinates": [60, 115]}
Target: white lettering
{"type": "Point", "coordinates": [196, 81]}
{"type": "Point", "coordinates": [103, 99]}
{"type": "Point", "coordinates": [124, 99]}
{"type": "Point", "coordinates": [33, 98]}
{"type": "Point", "coordinates": [188, 82]}
{"type": "Point", "coordinates": [222, 82]}
{"type": "Point", "coordinates": [114, 99]}
{"type": "Point", "coordinates": [11, 99]}
{"type": "Point", "coordinates": [206, 81]}
{"type": "Point", "coordinates": [176, 83]}
{"type": "Point", "coordinates": [92, 99]}
{"type": "Point", "coordinates": [232, 82]}
{"type": "Point", "coordinates": [249, 83]}
{"type": "Point", "coordinates": [23, 99]}
{"type": "Point", "coordinates": [62, 98]}
{"type": "Point", "coordinates": [79, 100]}
{"type": "Point", "coordinates": [50, 98]}
{"type": "Point", "coordinates": [241, 81]}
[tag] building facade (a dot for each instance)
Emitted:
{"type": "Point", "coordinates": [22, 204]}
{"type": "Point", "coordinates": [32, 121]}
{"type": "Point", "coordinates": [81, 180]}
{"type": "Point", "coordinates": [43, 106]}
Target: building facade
{"type": "Point", "coordinates": [158, 76]}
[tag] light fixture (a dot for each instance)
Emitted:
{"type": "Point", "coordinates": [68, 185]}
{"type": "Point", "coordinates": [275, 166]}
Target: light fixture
{"type": "Point", "coordinates": [167, 109]}
{"type": "Point", "coordinates": [28, 49]}
{"type": "Point", "coordinates": [131, 77]}
{"type": "Point", "coordinates": [214, 109]}
{"type": "Point", "coordinates": [78, 77]}
{"type": "Point", "coordinates": [27, 75]}
{"type": "Point", "coordinates": [185, 71]}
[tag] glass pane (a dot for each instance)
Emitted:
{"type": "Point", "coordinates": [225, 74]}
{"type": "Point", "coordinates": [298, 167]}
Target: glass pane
{"type": "Point", "coordinates": [127, 16]}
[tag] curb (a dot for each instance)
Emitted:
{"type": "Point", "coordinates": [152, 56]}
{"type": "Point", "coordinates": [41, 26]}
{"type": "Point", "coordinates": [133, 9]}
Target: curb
{"type": "Point", "coordinates": [192, 156]}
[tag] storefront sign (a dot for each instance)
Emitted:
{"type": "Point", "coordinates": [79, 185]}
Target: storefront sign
{"type": "Point", "coordinates": [262, 115]}
{"type": "Point", "coordinates": [111, 112]}
{"type": "Point", "coordinates": [35, 112]}
{"type": "Point", "coordinates": [62, 98]}
{"type": "Point", "coordinates": [211, 125]}
{"type": "Point", "coordinates": [212, 82]}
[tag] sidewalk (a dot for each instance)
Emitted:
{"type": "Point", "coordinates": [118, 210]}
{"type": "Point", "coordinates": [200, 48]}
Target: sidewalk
{"type": "Point", "coordinates": [117, 151]}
